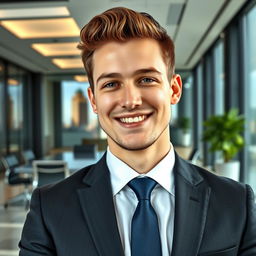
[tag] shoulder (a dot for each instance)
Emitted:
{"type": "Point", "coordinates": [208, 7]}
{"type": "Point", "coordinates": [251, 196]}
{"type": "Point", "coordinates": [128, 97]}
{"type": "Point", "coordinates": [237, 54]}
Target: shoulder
{"type": "Point", "coordinates": [65, 189]}
{"type": "Point", "coordinates": [224, 187]}
{"type": "Point", "coordinates": [54, 200]}
{"type": "Point", "coordinates": [219, 185]}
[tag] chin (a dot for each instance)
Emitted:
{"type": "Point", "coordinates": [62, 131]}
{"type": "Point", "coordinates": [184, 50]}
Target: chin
{"type": "Point", "coordinates": [135, 146]}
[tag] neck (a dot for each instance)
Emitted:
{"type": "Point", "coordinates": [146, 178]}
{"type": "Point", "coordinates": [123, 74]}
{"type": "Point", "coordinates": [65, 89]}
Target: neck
{"type": "Point", "coordinates": [142, 161]}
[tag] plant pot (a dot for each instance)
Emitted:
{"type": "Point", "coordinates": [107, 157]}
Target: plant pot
{"type": "Point", "coordinates": [184, 138]}
{"type": "Point", "coordinates": [230, 169]}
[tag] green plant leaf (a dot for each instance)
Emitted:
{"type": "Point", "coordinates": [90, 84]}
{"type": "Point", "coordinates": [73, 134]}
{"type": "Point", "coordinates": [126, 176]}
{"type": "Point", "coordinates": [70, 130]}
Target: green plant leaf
{"type": "Point", "coordinates": [223, 132]}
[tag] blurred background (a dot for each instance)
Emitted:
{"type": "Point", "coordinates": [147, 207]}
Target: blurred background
{"type": "Point", "coordinates": [44, 108]}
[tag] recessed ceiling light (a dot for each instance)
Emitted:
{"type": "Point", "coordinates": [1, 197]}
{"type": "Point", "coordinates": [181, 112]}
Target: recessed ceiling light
{"type": "Point", "coordinates": [57, 49]}
{"type": "Point", "coordinates": [81, 78]}
{"type": "Point", "coordinates": [42, 28]}
{"type": "Point", "coordinates": [34, 12]}
{"type": "Point", "coordinates": [12, 81]}
{"type": "Point", "coordinates": [65, 63]}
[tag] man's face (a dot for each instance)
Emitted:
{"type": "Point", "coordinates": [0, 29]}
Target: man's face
{"type": "Point", "coordinates": [132, 94]}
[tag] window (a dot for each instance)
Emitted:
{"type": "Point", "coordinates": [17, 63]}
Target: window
{"type": "Point", "coordinates": [198, 107]}
{"type": "Point", "coordinates": [181, 121]}
{"type": "Point", "coordinates": [78, 119]}
{"type": "Point", "coordinates": [13, 89]}
{"type": "Point", "coordinates": [250, 38]}
{"type": "Point", "coordinates": [219, 94]}
{"type": "Point", "coordinates": [2, 111]}
{"type": "Point", "coordinates": [15, 108]}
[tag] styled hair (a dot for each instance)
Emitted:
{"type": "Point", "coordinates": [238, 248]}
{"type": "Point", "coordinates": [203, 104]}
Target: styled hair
{"type": "Point", "coordinates": [121, 24]}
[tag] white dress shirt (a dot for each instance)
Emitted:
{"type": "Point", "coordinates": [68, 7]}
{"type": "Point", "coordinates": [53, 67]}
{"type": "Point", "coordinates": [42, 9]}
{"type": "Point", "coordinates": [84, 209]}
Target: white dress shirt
{"type": "Point", "coordinates": [162, 198]}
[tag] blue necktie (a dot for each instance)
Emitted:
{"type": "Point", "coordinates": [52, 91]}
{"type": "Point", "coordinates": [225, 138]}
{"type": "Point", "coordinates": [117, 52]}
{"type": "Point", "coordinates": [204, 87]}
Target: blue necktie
{"type": "Point", "coordinates": [145, 237]}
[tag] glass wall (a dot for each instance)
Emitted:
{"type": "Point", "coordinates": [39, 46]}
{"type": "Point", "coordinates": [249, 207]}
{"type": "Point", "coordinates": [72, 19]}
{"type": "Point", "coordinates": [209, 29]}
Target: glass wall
{"type": "Point", "coordinates": [2, 111]}
{"type": "Point", "coordinates": [198, 107]}
{"type": "Point", "coordinates": [225, 78]}
{"type": "Point", "coordinates": [182, 114]}
{"type": "Point", "coordinates": [12, 114]}
{"type": "Point", "coordinates": [250, 39]}
{"type": "Point", "coordinates": [219, 90]}
{"type": "Point", "coordinates": [209, 96]}
{"type": "Point", "coordinates": [15, 108]}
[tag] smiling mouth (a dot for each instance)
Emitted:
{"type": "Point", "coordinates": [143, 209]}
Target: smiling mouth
{"type": "Point", "coordinates": [132, 120]}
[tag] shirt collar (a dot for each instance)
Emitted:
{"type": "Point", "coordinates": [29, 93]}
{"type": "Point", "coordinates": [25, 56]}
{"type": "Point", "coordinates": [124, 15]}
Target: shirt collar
{"type": "Point", "coordinates": [121, 173]}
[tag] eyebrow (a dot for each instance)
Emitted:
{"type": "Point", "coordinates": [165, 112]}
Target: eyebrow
{"type": "Point", "coordinates": [137, 72]}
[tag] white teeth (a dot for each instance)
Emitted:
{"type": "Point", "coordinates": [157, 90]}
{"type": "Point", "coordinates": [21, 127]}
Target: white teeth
{"type": "Point", "coordinates": [130, 120]}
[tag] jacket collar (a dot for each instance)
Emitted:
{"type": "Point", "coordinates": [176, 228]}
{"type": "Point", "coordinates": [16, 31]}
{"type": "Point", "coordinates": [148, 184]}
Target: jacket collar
{"type": "Point", "coordinates": [192, 196]}
{"type": "Point", "coordinates": [97, 205]}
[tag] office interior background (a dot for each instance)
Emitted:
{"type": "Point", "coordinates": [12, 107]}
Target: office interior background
{"type": "Point", "coordinates": [43, 100]}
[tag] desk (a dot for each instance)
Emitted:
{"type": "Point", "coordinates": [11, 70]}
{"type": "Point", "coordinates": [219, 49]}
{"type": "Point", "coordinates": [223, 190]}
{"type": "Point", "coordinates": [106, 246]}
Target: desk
{"type": "Point", "coordinates": [73, 163]}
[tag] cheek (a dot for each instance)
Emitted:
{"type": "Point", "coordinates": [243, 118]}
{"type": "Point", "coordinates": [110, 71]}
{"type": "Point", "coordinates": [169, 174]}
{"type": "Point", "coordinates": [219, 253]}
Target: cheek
{"type": "Point", "coordinates": [161, 101]}
{"type": "Point", "coordinates": [159, 98]}
{"type": "Point", "coordinates": [105, 103]}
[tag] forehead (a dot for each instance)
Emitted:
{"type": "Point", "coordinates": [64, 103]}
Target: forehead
{"type": "Point", "coordinates": [127, 57]}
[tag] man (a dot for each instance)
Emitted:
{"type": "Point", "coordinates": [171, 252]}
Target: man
{"type": "Point", "coordinates": [100, 210]}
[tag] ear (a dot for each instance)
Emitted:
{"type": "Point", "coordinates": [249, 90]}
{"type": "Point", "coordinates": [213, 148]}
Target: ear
{"type": "Point", "coordinates": [176, 87]}
{"type": "Point", "coordinates": [92, 100]}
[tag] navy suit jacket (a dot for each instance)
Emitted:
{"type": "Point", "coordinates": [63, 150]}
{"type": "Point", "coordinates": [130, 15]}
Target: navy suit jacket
{"type": "Point", "coordinates": [214, 216]}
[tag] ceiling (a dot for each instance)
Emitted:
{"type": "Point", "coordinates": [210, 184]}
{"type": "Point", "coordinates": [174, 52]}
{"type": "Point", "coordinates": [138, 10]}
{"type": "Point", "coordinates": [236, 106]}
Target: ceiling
{"type": "Point", "coordinates": [194, 26]}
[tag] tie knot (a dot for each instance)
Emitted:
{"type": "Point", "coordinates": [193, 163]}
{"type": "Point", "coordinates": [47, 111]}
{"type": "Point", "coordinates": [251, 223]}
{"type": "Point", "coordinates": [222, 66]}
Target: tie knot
{"type": "Point", "coordinates": [142, 187]}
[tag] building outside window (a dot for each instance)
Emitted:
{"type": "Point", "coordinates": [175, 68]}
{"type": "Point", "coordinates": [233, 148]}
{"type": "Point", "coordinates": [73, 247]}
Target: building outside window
{"type": "Point", "coordinates": [78, 120]}
{"type": "Point", "coordinates": [15, 108]}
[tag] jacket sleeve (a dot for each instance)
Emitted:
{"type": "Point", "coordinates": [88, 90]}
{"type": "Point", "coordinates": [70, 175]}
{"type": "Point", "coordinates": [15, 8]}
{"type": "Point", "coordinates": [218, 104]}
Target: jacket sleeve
{"type": "Point", "coordinates": [248, 242]}
{"type": "Point", "coordinates": [35, 238]}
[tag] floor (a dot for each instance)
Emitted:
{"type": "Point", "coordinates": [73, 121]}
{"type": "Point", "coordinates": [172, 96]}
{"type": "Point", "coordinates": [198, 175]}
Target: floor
{"type": "Point", "coordinates": [11, 220]}
{"type": "Point", "coordinates": [11, 223]}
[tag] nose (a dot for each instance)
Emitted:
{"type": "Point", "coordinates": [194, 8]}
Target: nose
{"type": "Point", "coordinates": [131, 97]}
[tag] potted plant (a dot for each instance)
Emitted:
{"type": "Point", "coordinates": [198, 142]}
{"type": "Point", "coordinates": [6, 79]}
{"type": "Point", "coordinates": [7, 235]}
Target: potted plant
{"type": "Point", "coordinates": [184, 131]}
{"type": "Point", "coordinates": [223, 132]}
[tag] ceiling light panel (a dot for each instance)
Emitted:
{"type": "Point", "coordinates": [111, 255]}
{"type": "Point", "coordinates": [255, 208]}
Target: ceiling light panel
{"type": "Point", "coordinates": [56, 49]}
{"type": "Point", "coordinates": [81, 78]}
{"type": "Point", "coordinates": [12, 81]}
{"type": "Point", "coordinates": [65, 63]}
{"type": "Point", "coordinates": [42, 28]}
{"type": "Point", "coordinates": [34, 12]}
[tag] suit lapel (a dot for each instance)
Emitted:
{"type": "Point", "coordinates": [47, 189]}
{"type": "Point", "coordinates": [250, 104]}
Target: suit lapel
{"type": "Point", "coordinates": [98, 208]}
{"type": "Point", "coordinates": [191, 204]}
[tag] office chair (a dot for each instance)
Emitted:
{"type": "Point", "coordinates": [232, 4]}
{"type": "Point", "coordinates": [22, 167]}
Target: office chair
{"type": "Point", "coordinates": [13, 178]}
{"type": "Point", "coordinates": [85, 151]}
{"type": "Point", "coordinates": [28, 156]}
{"type": "Point", "coordinates": [195, 157]}
{"type": "Point", "coordinates": [48, 172]}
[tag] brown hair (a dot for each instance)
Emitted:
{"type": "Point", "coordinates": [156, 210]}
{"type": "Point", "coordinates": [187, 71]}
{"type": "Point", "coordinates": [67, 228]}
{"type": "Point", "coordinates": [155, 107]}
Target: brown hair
{"type": "Point", "coordinates": [122, 24]}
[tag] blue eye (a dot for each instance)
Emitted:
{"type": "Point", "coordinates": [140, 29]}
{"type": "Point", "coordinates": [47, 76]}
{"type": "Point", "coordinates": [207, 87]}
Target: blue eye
{"type": "Point", "coordinates": [110, 85]}
{"type": "Point", "coordinates": [147, 80]}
